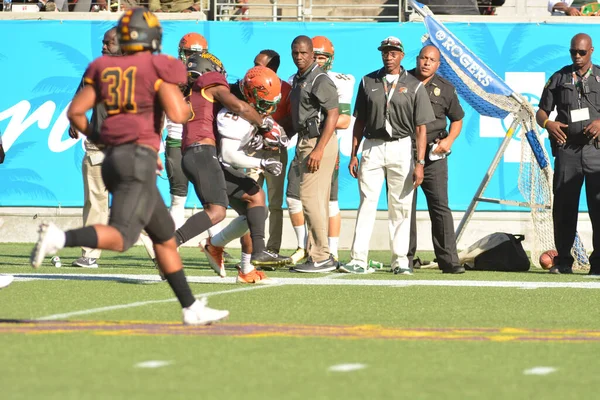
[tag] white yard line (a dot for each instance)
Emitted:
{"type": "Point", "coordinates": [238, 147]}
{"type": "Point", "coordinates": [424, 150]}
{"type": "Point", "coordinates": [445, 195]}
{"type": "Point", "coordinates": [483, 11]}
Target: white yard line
{"type": "Point", "coordinates": [327, 280]}
{"type": "Point", "coordinates": [148, 302]}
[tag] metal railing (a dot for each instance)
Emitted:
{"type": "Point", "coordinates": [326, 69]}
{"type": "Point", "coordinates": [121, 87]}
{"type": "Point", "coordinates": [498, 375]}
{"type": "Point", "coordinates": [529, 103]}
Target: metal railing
{"type": "Point", "coordinates": [328, 10]}
{"type": "Point", "coordinates": [304, 11]}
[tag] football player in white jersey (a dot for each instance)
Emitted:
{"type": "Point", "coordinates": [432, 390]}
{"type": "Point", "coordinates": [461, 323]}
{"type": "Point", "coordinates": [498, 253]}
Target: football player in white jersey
{"type": "Point", "coordinates": [239, 146]}
{"type": "Point", "coordinates": [324, 53]}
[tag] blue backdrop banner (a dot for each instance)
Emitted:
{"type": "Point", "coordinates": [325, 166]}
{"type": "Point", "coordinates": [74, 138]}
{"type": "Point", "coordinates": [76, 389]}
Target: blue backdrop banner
{"type": "Point", "coordinates": [46, 59]}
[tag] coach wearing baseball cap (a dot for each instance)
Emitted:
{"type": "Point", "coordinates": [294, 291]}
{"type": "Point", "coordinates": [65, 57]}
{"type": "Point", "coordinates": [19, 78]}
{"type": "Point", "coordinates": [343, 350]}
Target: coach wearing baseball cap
{"type": "Point", "coordinates": [392, 107]}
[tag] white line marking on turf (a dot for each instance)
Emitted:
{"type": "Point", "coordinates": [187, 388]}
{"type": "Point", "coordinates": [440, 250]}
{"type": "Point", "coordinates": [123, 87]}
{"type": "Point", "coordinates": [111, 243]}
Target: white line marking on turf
{"type": "Point", "coordinates": [539, 371]}
{"type": "Point", "coordinates": [346, 367]}
{"type": "Point", "coordinates": [145, 303]}
{"type": "Point", "coordinates": [152, 364]}
{"type": "Point", "coordinates": [193, 279]}
{"type": "Point", "coordinates": [327, 280]}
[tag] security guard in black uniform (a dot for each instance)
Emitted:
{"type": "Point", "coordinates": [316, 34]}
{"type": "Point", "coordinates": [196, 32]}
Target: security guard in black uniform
{"type": "Point", "coordinates": [575, 92]}
{"type": "Point", "coordinates": [444, 101]}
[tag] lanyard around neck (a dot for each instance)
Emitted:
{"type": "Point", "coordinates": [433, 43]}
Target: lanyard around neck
{"type": "Point", "coordinates": [389, 93]}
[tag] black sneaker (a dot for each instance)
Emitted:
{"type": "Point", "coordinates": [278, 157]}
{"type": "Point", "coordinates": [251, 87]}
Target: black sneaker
{"type": "Point", "coordinates": [312, 266]}
{"type": "Point", "coordinates": [561, 269]}
{"type": "Point", "coordinates": [594, 272]}
{"type": "Point", "coordinates": [267, 260]}
{"type": "Point", "coordinates": [455, 269]}
{"type": "Point", "coordinates": [85, 262]}
{"type": "Point", "coordinates": [416, 263]}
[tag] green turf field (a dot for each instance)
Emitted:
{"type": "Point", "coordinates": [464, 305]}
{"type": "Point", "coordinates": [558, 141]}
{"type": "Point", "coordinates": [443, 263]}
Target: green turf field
{"type": "Point", "coordinates": [115, 333]}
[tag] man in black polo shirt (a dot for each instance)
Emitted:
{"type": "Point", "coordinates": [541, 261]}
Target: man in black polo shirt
{"type": "Point", "coordinates": [314, 108]}
{"type": "Point", "coordinates": [392, 108]}
{"type": "Point", "coordinates": [444, 101]}
{"type": "Point", "coordinates": [574, 92]}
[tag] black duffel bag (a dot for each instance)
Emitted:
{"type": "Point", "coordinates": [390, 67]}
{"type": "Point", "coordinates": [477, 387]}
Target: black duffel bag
{"type": "Point", "coordinates": [506, 254]}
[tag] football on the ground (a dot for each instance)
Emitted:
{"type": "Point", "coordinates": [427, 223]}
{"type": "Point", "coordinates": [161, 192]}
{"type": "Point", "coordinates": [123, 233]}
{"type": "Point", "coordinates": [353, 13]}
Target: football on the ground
{"type": "Point", "coordinates": [547, 259]}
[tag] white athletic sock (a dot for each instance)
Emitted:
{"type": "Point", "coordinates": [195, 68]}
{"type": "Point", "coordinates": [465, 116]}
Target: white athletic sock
{"type": "Point", "coordinates": [245, 264]}
{"type": "Point", "coordinates": [301, 235]}
{"type": "Point", "coordinates": [177, 210]}
{"type": "Point", "coordinates": [333, 245]}
{"type": "Point", "coordinates": [236, 229]}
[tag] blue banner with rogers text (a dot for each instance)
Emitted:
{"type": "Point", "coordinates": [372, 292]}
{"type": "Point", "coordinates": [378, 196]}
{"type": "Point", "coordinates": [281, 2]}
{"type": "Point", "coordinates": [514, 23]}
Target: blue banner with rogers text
{"type": "Point", "coordinates": [44, 63]}
{"type": "Point", "coordinates": [473, 69]}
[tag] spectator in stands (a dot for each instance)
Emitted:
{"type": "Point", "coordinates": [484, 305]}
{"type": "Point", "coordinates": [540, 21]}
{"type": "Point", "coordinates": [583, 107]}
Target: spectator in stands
{"type": "Point", "coordinates": [53, 5]}
{"type": "Point", "coordinates": [570, 8]}
{"type": "Point", "coordinates": [174, 6]}
{"type": "Point", "coordinates": [459, 7]}
{"type": "Point", "coordinates": [488, 7]}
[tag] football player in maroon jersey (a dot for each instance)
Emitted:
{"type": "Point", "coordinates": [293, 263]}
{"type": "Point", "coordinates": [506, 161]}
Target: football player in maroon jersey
{"type": "Point", "coordinates": [217, 186]}
{"type": "Point", "coordinates": [137, 89]}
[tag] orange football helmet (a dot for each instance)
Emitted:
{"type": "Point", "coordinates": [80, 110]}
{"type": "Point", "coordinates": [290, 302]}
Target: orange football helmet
{"type": "Point", "coordinates": [262, 89]}
{"type": "Point", "coordinates": [323, 46]}
{"type": "Point", "coordinates": [192, 43]}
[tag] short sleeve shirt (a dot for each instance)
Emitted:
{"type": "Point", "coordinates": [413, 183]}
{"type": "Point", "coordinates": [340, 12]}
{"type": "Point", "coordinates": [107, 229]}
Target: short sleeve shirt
{"type": "Point", "coordinates": [313, 93]}
{"type": "Point", "coordinates": [409, 105]}
{"type": "Point", "coordinates": [445, 104]}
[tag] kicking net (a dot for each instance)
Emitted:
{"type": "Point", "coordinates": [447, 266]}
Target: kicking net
{"type": "Point", "coordinates": [489, 95]}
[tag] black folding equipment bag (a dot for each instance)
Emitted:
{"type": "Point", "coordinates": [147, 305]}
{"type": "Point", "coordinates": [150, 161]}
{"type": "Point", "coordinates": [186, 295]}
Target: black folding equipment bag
{"type": "Point", "coordinates": [504, 252]}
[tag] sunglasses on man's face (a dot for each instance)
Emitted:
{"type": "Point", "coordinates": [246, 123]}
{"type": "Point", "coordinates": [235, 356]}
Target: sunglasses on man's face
{"type": "Point", "coordinates": [580, 52]}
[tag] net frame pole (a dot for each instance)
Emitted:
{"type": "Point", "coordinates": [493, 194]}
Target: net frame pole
{"type": "Point", "coordinates": [487, 178]}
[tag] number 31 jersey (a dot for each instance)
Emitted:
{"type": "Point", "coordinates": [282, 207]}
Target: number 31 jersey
{"type": "Point", "coordinates": [128, 87]}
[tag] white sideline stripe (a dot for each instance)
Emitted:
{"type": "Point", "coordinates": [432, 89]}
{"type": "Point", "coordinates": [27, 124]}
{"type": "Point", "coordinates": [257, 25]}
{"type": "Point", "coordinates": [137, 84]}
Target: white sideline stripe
{"type": "Point", "coordinates": [328, 280]}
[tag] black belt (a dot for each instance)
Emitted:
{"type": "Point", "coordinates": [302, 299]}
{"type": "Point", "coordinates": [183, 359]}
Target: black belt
{"type": "Point", "coordinates": [302, 132]}
{"type": "Point", "coordinates": [580, 139]}
{"type": "Point", "coordinates": [386, 138]}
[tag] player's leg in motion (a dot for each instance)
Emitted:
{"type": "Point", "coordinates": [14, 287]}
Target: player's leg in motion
{"type": "Point", "coordinates": [178, 182]}
{"type": "Point", "coordinates": [227, 257]}
{"type": "Point", "coordinates": [129, 174]}
{"type": "Point", "coordinates": [202, 168]}
{"type": "Point", "coordinates": [295, 211]}
{"type": "Point", "coordinates": [247, 198]}
{"type": "Point", "coordinates": [178, 187]}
